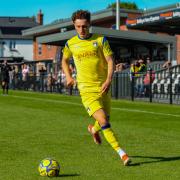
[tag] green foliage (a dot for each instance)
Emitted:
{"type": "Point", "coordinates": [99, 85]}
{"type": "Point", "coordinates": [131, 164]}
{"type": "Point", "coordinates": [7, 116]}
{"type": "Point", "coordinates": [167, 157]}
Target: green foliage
{"type": "Point", "coordinates": [125, 5]}
{"type": "Point", "coordinates": [35, 126]}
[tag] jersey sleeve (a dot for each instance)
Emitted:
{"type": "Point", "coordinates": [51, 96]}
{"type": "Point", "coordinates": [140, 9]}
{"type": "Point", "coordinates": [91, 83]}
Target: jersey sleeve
{"type": "Point", "coordinates": [66, 51]}
{"type": "Point", "coordinates": [106, 47]}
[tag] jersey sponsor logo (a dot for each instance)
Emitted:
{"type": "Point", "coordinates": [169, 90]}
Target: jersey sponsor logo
{"type": "Point", "coordinates": [87, 54]}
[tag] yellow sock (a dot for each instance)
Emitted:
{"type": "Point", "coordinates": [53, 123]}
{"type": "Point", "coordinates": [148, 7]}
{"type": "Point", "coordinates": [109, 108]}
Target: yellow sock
{"type": "Point", "coordinates": [96, 126]}
{"type": "Point", "coordinates": [110, 137]}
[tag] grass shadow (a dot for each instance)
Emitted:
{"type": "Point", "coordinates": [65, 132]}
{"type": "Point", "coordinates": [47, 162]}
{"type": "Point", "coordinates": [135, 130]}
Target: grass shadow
{"type": "Point", "coordinates": [154, 159]}
{"type": "Point", "coordinates": [68, 175]}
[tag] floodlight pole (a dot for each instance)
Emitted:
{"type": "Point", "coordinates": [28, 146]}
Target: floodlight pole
{"type": "Point", "coordinates": [117, 14]}
{"type": "Point", "coordinates": [169, 52]}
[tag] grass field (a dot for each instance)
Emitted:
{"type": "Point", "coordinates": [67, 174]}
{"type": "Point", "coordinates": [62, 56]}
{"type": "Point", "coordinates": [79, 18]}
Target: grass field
{"type": "Point", "coordinates": [35, 126]}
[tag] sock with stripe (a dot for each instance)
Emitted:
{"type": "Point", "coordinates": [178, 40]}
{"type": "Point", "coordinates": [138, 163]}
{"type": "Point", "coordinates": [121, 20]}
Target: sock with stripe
{"type": "Point", "coordinates": [121, 153]}
{"type": "Point", "coordinates": [110, 137]}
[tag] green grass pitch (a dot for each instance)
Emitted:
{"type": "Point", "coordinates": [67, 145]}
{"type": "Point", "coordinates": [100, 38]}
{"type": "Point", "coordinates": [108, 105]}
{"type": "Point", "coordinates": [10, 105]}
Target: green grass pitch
{"type": "Point", "coordinates": [35, 126]}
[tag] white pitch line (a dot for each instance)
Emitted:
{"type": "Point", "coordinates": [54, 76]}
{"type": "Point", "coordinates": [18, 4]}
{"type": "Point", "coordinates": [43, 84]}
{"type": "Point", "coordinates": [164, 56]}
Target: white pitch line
{"type": "Point", "coordinates": [148, 112]}
{"type": "Point", "coordinates": [47, 100]}
{"type": "Point", "coordinates": [114, 108]}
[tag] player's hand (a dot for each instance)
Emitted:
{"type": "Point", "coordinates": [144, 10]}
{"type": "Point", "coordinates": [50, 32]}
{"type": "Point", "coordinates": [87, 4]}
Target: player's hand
{"type": "Point", "coordinates": [70, 82]}
{"type": "Point", "coordinates": [105, 87]}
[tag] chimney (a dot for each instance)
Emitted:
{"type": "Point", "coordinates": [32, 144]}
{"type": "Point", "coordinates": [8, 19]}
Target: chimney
{"type": "Point", "coordinates": [40, 17]}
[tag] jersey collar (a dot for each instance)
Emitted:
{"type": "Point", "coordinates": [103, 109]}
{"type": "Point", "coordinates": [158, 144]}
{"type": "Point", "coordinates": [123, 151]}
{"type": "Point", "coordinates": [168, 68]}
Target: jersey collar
{"type": "Point", "coordinates": [90, 35]}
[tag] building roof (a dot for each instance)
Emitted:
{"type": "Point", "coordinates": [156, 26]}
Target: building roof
{"type": "Point", "coordinates": [67, 23]}
{"type": "Point", "coordinates": [115, 36]}
{"type": "Point", "coordinates": [11, 27]}
{"type": "Point", "coordinates": [161, 9]}
{"type": "Point", "coordinates": [25, 22]}
{"type": "Point", "coordinates": [14, 36]}
{"type": "Point", "coordinates": [165, 19]}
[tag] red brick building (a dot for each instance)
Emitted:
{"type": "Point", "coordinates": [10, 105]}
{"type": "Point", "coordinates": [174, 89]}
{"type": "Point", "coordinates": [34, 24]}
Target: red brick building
{"type": "Point", "coordinates": [105, 18]}
{"type": "Point", "coordinates": [155, 35]}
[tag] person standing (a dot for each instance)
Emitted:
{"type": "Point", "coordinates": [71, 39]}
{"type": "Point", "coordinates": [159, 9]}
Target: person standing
{"type": "Point", "coordinates": [5, 68]}
{"type": "Point", "coordinates": [94, 64]}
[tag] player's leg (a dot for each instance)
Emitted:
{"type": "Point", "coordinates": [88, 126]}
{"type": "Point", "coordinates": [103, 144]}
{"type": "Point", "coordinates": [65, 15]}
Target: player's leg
{"type": "Point", "coordinates": [7, 87]}
{"type": "Point", "coordinates": [101, 116]}
{"type": "Point", "coordinates": [96, 126]}
{"type": "Point", "coordinates": [94, 131]}
{"type": "Point", "coordinates": [3, 86]}
{"type": "Point", "coordinates": [106, 101]}
{"type": "Point", "coordinates": [95, 106]}
{"type": "Point", "coordinates": [89, 102]}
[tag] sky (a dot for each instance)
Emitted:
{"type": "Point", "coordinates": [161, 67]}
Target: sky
{"type": "Point", "coordinates": [60, 9]}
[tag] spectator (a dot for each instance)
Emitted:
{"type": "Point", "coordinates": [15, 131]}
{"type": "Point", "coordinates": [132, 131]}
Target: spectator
{"type": "Point", "coordinates": [142, 66]}
{"type": "Point", "coordinates": [42, 72]}
{"type": "Point", "coordinates": [138, 69]}
{"type": "Point", "coordinates": [63, 80]}
{"type": "Point", "coordinates": [134, 70]}
{"type": "Point", "coordinates": [119, 67]}
{"type": "Point", "coordinates": [148, 61]}
{"type": "Point", "coordinates": [11, 77]}
{"type": "Point", "coordinates": [25, 72]}
{"type": "Point", "coordinates": [50, 82]}
{"type": "Point", "coordinates": [5, 69]}
{"type": "Point", "coordinates": [148, 79]}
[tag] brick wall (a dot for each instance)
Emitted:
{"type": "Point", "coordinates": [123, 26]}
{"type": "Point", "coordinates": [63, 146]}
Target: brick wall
{"type": "Point", "coordinates": [133, 15]}
{"type": "Point", "coordinates": [47, 51]}
{"type": "Point", "coordinates": [50, 52]}
{"type": "Point", "coordinates": [178, 49]}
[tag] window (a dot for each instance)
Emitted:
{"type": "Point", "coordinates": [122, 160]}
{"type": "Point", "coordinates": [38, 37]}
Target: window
{"type": "Point", "coordinates": [49, 47]}
{"type": "Point", "coordinates": [39, 49]}
{"type": "Point", "coordinates": [12, 45]}
{"type": "Point", "coordinates": [1, 49]}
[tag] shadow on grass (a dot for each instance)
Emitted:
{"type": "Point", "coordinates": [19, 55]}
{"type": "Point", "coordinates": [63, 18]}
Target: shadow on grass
{"type": "Point", "coordinates": [68, 175]}
{"type": "Point", "coordinates": [155, 160]}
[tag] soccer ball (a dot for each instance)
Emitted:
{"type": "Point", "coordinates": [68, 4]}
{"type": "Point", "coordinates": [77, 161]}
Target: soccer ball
{"type": "Point", "coordinates": [49, 167]}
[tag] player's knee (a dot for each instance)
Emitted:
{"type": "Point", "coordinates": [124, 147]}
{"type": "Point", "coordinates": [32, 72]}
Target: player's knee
{"type": "Point", "coordinates": [103, 121]}
{"type": "Point", "coordinates": [106, 126]}
{"type": "Point", "coordinates": [3, 86]}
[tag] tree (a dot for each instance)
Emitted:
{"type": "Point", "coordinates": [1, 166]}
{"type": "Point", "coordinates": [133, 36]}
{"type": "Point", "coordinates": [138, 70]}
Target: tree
{"type": "Point", "coordinates": [125, 5]}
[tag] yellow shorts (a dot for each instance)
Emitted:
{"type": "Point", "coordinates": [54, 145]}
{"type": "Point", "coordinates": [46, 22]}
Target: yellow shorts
{"type": "Point", "coordinates": [94, 101]}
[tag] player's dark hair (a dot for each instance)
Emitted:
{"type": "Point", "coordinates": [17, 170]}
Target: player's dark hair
{"type": "Point", "coordinates": [81, 14]}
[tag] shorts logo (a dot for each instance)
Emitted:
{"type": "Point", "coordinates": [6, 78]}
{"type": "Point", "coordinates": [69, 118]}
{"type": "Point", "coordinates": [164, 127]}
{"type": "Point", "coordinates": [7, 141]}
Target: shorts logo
{"type": "Point", "coordinates": [88, 109]}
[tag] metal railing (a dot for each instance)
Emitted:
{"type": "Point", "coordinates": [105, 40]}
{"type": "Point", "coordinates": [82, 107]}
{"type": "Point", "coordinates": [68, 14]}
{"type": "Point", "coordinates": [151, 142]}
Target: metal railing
{"type": "Point", "coordinates": [41, 82]}
{"type": "Point", "coordinates": [164, 85]}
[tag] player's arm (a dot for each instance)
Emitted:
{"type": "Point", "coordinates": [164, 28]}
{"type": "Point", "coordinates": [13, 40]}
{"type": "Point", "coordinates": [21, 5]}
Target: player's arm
{"type": "Point", "coordinates": [106, 85]}
{"type": "Point", "coordinates": [65, 67]}
{"type": "Point", "coordinates": [109, 58]}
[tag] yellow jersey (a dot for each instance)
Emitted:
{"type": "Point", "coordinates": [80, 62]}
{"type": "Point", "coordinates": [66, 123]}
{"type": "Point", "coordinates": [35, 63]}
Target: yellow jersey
{"type": "Point", "coordinates": [89, 58]}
